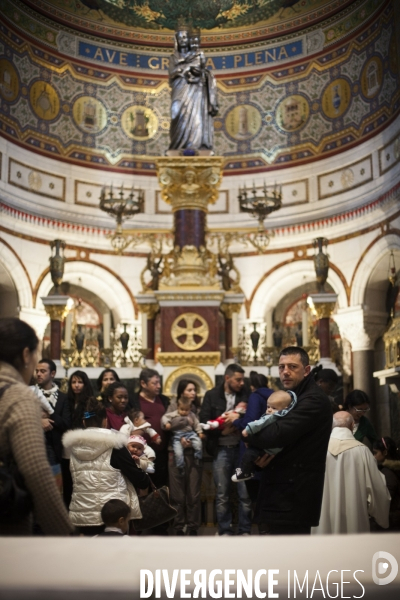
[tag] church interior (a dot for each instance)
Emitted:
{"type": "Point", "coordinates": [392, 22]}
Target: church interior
{"type": "Point", "coordinates": [121, 252]}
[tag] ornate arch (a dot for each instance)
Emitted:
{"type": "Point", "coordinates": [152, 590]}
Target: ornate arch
{"type": "Point", "coordinates": [275, 284]}
{"type": "Point", "coordinates": [199, 375]}
{"type": "Point", "coordinates": [368, 262]}
{"type": "Point", "coordinates": [107, 284]}
{"type": "Point", "coordinates": [18, 273]}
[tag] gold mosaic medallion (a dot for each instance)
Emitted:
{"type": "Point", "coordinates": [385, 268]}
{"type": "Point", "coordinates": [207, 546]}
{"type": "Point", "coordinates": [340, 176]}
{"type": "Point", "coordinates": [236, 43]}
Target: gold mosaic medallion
{"type": "Point", "coordinates": [139, 123]}
{"type": "Point", "coordinates": [243, 122]}
{"type": "Point", "coordinates": [89, 114]}
{"type": "Point", "coordinates": [336, 98]}
{"type": "Point", "coordinates": [9, 86]}
{"type": "Point", "coordinates": [372, 76]}
{"type": "Point", "coordinates": [44, 100]}
{"type": "Point", "coordinates": [292, 113]}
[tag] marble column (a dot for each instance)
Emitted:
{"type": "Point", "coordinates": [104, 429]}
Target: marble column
{"type": "Point", "coordinates": [323, 305]}
{"type": "Point", "coordinates": [189, 227]}
{"type": "Point", "coordinates": [231, 311]}
{"type": "Point", "coordinates": [149, 311]}
{"type": "Point", "coordinates": [362, 328]}
{"type": "Point", "coordinates": [57, 309]}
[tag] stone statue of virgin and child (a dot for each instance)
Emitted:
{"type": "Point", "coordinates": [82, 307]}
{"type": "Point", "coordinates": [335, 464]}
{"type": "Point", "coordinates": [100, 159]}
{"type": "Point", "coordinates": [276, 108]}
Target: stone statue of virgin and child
{"type": "Point", "coordinates": [193, 96]}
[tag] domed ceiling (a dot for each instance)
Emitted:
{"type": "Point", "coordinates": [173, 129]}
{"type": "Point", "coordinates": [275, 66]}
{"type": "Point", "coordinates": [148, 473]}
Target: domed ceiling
{"type": "Point", "coordinates": [70, 88]}
{"type": "Point", "coordinates": [222, 21]}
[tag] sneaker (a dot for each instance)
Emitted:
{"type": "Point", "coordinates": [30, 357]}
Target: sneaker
{"type": "Point", "coordinates": [240, 476]}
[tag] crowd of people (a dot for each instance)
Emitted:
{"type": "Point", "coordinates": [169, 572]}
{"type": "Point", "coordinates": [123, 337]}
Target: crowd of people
{"type": "Point", "coordinates": [83, 461]}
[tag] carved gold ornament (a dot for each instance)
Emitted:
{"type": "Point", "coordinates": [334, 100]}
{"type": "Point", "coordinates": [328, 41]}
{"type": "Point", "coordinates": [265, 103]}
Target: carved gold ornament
{"type": "Point", "coordinates": [188, 371]}
{"type": "Point", "coordinates": [185, 326]}
{"type": "Point", "coordinates": [173, 359]}
{"type": "Point", "coordinates": [189, 182]}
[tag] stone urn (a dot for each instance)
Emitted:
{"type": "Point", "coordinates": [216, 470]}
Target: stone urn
{"type": "Point", "coordinates": [124, 339]}
{"type": "Point", "coordinates": [321, 263]}
{"type": "Point", "coordinates": [79, 339]}
{"type": "Point", "coordinates": [57, 261]}
{"type": "Point", "coordinates": [255, 339]}
{"type": "Point", "coordinates": [100, 338]}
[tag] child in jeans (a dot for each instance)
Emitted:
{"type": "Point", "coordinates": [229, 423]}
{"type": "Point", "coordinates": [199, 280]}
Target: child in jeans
{"type": "Point", "coordinates": [278, 405]}
{"type": "Point", "coordinates": [183, 423]}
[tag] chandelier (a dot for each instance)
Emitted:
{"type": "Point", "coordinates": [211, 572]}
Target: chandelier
{"type": "Point", "coordinates": [260, 206]}
{"type": "Point", "coordinates": [121, 207]}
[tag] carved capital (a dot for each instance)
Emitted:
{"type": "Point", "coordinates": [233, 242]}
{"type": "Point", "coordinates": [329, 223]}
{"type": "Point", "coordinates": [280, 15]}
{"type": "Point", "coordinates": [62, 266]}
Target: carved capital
{"type": "Point", "coordinates": [189, 182]}
{"type": "Point", "coordinates": [150, 309]}
{"type": "Point", "coordinates": [229, 309]}
{"type": "Point", "coordinates": [324, 310]}
{"type": "Point", "coordinates": [360, 326]}
{"type": "Point", "coordinates": [322, 304]}
{"type": "Point", "coordinates": [56, 308]}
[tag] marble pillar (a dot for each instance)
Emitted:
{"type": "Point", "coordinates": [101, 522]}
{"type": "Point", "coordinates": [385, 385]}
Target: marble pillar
{"type": "Point", "coordinates": [57, 309]}
{"type": "Point", "coordinates": [362, 327]}
{"type": "Point", "coordinates": [323, 305]}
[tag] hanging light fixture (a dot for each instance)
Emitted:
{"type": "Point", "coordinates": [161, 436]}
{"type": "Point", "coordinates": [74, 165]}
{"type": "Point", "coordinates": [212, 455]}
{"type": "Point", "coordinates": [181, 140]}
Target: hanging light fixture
{"type": "Point", "coordinates": [260, 206]}
{"type": "Point", "coordinates": [121, 207]}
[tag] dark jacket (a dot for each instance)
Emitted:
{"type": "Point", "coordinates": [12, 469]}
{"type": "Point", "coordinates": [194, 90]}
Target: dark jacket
{"type": "Point", "coordinates": [365, 429]}
{"type": "Point", "coordinates": [214, 404]}
{"type": "Point", "coordinates": [134, 402]}
{"type": "Point", "coordinates": [391, 470]}
{"type": "Point", "coordinates": [62, 421]}
{"type": "Point", "coordinates": [256, 407]}
{"type": "Point", "coordinates": [292, 484]}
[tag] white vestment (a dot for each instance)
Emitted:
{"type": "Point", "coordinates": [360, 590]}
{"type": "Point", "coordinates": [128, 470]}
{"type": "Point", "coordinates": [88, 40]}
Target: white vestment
{"type": "Point", "coordinates": [353, 489]}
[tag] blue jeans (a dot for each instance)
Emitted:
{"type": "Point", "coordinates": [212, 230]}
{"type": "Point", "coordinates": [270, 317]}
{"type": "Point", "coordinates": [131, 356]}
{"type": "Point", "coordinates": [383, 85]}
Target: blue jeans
{"type": "Point", "coordinates": [223, 468]}
{"type": "Point", "coordinates": [178, 448]}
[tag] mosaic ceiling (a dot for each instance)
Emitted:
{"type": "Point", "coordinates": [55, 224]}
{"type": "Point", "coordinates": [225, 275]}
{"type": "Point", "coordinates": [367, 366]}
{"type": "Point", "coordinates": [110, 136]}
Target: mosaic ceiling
{"type": "Point", "coordinates": [249, 18]}
{"type": "Point", "coordinates": [307, 96]}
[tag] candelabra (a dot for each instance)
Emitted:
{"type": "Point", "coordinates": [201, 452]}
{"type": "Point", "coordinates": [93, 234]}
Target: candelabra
{"type": "Point", "coordinates": [121, 207]}
{"type": "Point", "coordinates": [260, 206]}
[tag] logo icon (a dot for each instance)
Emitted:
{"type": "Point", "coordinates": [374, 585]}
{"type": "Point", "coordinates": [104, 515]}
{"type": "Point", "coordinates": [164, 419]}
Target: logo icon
{"type": "Point", "coordinates": [380, 568]}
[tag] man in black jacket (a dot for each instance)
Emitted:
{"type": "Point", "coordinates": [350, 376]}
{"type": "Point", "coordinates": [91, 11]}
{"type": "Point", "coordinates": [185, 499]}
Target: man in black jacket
{"type": "Point", "coordinates": [223, 446]}
{"type": "Point", "coordinates": [56, 424]}
{"type": "Point", "coordinates": [290, 497]}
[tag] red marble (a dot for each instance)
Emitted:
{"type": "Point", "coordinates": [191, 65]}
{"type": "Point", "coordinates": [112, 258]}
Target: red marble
{"type": "Point", "coordinates": [170, 313]}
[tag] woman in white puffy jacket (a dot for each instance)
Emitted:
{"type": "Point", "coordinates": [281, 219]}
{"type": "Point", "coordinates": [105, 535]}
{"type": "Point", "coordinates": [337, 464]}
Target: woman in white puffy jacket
{"type": "Point", "coordinates": [102, 469]}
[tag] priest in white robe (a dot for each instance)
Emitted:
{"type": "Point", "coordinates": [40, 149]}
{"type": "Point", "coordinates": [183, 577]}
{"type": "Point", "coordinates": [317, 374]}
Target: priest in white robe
{"type": "Point", "coordinates": [354, 489]}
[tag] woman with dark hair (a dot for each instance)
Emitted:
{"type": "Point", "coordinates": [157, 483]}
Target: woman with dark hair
{"type": "Point", "coordinates": [256, 407]}
{"type": "Point", "coordinates": [358, 405]}
{"type": "Point", "coordinates": [101, 469]}
{"type": "Point", "coordinates": [21, 434]}
{"type": "Point", "coordinates": [187, 389]}
{"type": "Point", "coordinates": [388, 459]}
{"type": "Point", "coordinates": [79, 391]}
{"type": "Point", "coordinates": [105, 379]}
{"type": "Point", "coordinates": [116, 402]}
{"type": "Point", "coordinates": [185, 484]}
